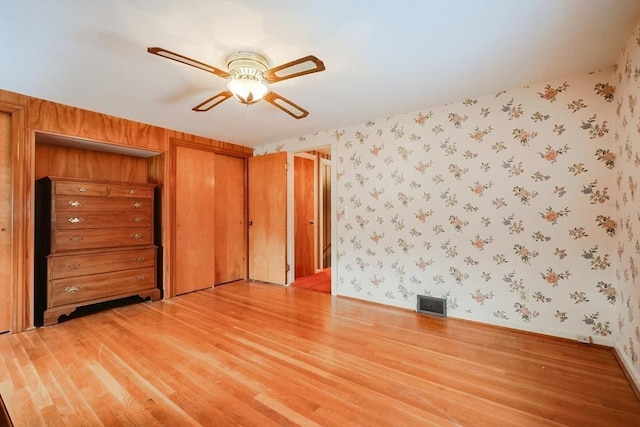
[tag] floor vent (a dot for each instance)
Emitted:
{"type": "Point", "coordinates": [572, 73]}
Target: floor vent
{"type": "Point", "coordinates": [432, 305]}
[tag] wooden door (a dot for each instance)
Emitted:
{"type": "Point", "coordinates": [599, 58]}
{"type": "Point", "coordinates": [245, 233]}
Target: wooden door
{"type": "Point", "coordinates": [5, 222]}
{"type": "Point", "coordinates": [194, 264]}
{"type": "Point", "coordinates": [304, 221]}
{"type": "Point", "coordinates": [267, 188]}
{"type": "Point", "coordinates": [229, 218]}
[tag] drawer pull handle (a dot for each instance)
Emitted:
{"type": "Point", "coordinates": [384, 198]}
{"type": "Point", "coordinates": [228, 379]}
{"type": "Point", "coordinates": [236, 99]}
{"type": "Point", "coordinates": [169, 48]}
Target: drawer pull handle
{"type": "Point", "coordinates": [76, 220]}
{"type": "Point", "coordinates": [82, 189]}
{"type": "Point", "coordinates": [137, 219]}
{"type": "Point", "coordinates": [71, 266]}
{"type": "Point", "coordinates": [140, 258]}
{"type": "Point", "coordinates": [137, 204]}
{"type": "Point", "coordinates": [75, 203]}
{"type": "Point", "coordinates": [132, 191]}
{"type": "Point", "coordinates": [140, 278]}
{"type": "Point", "coordinates": [136, 236]}
{"type": "Point", "coordinates": [75, 239]}
{"type": "Point", "coordinates": [71, 289]}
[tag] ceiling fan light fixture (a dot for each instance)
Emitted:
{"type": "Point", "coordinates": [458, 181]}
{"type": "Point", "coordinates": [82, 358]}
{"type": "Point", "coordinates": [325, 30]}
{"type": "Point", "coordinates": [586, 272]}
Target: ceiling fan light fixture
{"type": "Point", "coordinates": [247, 89]}
{"type": "Point", "coordinates": [248, 75]}
{"type": "Point", "coordinates": [247, 84]}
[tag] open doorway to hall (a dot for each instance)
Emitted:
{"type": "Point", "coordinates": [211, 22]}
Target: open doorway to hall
{"type": "Point", "coordinates": [312, 219]}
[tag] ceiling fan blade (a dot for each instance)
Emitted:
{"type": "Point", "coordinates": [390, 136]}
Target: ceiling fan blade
{"type": "Point", "coordinates": [213, 101]}
{"type": "Point", "coordinates": [185, 60]}
{"type": "Point", "coordinates": [285, 105]}
{"type": "Point", "coordinates": [299, 67]}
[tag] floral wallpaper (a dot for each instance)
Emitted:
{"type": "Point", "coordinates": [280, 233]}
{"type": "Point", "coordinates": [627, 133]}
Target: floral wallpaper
{"type": "Point", "coordinates": [627, 202]}
{"type": "Point", "coordinates": [519, 207]}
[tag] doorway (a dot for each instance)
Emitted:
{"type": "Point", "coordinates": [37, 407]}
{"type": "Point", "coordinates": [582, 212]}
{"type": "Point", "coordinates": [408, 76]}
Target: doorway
{"type": "Point", "coordinates": [312, 219]}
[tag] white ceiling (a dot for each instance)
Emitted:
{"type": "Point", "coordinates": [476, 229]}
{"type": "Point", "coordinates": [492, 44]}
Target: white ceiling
{"type": "Point", "coordinates": [382, 57]}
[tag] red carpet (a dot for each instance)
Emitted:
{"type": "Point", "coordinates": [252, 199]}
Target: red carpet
{"type": "Point", "coordinates": [318, 282]}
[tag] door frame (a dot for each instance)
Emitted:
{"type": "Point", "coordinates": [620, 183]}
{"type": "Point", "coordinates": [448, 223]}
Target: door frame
{"type": "Point", "coordinates": [22, 224]}
{"type": "Point", "coordinates": [316, 177]}
{"type": "Point", "coordinates": [322, 196]}
{"type": "Point", "coordinates": [334, 202]}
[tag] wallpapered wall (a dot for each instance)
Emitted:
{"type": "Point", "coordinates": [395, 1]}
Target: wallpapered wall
{"type": "Point", "coordinates": [515, 207]}
{"type": "Point", "coordinates": [627, 201]}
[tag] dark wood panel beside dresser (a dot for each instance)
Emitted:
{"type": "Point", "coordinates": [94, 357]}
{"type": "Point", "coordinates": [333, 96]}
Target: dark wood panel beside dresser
{"type": "Point", "coordinates": [94, 243]}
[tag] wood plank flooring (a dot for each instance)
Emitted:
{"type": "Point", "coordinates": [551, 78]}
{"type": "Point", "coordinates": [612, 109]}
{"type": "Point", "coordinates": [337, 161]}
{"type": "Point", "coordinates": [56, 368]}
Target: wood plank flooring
{"type": "Point", "coordinates": [259, 355]}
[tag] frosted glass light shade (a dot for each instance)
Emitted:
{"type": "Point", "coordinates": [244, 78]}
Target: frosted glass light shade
{"type": "Point", "coordinates": [247, 90]}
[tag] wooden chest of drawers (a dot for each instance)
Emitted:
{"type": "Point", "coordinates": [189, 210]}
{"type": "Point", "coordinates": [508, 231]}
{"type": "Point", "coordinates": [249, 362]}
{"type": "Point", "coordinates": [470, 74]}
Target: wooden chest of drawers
{"type": "Point", "coordinates": [94, 243]}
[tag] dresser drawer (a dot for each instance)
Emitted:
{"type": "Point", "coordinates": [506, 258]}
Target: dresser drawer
{"type": "Point", "coordinates": [81, 189]}
{"type": "Point", "coordinates": [67, 203]}
{"type": "Point", "coordinates": [81, 220]}
{"type": "Point", "coordinates": [130, 191]}
{"type": "Point", "coordinates": [85, 288]}
{"type": "Point", "coordinates": [61, 266]}
{"type": "Point", "coordinates": [73, 240]}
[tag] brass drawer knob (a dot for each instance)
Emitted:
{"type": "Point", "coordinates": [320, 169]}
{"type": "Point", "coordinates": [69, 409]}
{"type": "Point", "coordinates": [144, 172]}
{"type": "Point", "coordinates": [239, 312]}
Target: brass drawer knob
{"type": "Point", "coordinates": [132, 191]}
{"type": "Point", "coordinates": [136, 236]}
{"type": "Point", "coordinates": [75, 203]}
{"type": "Point", "coordinates": [76, 220]}
{"type": "Point", "coordinates": [71, 266]}
{"type": "Point", "coordinates": [71, 289]}
{"type": "Point", "coordinates": [137, 204]}
{"type": "Point", "coordinates": [137, 219]}
{"type": "Point", "coordinates": [82, 189]}
{"type": "Point", "coordinates": [140, 258]}
{"type": "Point", "coordinates": [140, 278]}
{"type": "Point", "coordinates": [75, 239]}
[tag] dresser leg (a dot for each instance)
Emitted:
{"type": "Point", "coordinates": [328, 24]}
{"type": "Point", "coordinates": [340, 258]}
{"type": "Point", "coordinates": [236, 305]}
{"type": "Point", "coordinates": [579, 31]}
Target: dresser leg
{"type": "Point", "coordinates": [52, 315]}
{"type": "Point", "coordinates": [152, 294]}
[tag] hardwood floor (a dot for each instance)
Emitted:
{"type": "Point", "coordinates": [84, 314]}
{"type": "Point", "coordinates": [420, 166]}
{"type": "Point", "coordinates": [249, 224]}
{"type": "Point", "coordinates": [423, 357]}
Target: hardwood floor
{"type": "Point", "coordinates": [255, 354]}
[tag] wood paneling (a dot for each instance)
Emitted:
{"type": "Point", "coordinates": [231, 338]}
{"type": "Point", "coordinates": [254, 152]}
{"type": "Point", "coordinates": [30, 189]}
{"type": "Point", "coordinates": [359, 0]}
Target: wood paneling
{"type": "Point", "coordinates": [30, 116]}
{"type": "Point", "coordinates": [72, 162]}
{"type": "Point", "coordinates": [65, 120]}
{"type": "Point", "coordinates": [259, 355]}
{"type": "Point", "coordinates": [229, 219]}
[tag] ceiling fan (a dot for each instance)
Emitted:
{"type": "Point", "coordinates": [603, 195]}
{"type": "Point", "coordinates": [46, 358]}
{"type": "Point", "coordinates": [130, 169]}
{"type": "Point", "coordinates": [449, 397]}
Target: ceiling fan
{"type": "Point", "coordinates": [248, 75]}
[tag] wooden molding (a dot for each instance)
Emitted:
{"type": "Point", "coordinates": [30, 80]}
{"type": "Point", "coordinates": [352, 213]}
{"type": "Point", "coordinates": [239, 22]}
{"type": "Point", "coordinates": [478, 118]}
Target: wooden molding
{"type": "Point", "coordinates": [216, 146]}
{"type": "Point", "coordinates": [22, 224]}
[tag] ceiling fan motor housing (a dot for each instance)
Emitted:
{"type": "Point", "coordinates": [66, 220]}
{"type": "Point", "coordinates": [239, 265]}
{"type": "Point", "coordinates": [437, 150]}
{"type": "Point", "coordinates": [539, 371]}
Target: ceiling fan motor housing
{"type": "Point", "coordinates": [247, 82]}
{"type": "Point", "coordinates": [247, 65]}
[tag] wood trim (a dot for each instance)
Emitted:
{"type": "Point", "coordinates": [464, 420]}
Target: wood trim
{"type": "Point", "coordinates": [22, 225]}
{"type": "Point", "coordinates": [218, 147]}
{"type": "Point", "coordinates": [157, 170]}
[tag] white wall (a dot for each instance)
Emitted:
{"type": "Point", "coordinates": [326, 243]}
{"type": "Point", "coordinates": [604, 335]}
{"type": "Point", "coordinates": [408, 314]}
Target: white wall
{"type": "Point", "coordinates": [627, 204]}
{"type": "Point", "coordinates": [446, 200]}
